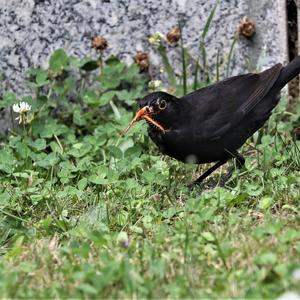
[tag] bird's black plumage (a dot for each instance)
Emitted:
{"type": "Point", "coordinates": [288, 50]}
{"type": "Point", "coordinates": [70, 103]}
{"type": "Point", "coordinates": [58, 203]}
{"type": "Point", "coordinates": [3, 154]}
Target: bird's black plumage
{"type": "Point", "coordinates": [211, 124]}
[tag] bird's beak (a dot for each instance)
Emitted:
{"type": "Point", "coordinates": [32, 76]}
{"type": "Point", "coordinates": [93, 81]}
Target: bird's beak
{"type": "Point", "coordinates": [144, 113]}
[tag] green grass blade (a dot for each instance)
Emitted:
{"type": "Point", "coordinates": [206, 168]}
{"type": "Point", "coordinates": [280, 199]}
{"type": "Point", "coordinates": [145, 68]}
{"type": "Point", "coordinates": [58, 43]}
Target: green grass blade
{"type": "Point", "coordinates": [204, 63]}
{"type": "Point", "coordinates": [209, 20]}
{"type": "Point", "coordinates": [218, 66]}
{"type": "Point", "coordinates": [196, 72]}
{"type": "Point", "coordinates": [230, 54]}
{"type": "Point", "coordinates": [202, 50]}
{"type": "Point", "coordinates": [168, 68]}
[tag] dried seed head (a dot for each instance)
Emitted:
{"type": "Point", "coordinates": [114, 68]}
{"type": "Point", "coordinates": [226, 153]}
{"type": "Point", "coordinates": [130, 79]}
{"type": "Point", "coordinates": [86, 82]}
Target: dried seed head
{"type": "Point", "coordinates": [99, 43]}
{"type": "Point", "coordinates": [173, 35]}
{"type": "Point", "coordinates": [142, 59]}
{"type": "Point", "coordinates": [141, 56]}
{"type": "Point", "coordinates": [247, 27]}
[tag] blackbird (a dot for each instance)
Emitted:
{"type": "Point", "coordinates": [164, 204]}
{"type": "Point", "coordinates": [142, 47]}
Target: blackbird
{"type": "Point", "coordinates": [212, 123]}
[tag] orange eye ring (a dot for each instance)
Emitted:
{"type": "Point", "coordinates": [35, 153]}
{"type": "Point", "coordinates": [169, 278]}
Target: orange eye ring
{"type": "Point", "coordinates": [162, 104]}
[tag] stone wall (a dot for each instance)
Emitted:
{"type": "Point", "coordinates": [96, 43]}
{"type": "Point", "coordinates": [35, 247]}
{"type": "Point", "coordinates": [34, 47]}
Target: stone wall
{"type": "Point", "coordinates": [31, 29]}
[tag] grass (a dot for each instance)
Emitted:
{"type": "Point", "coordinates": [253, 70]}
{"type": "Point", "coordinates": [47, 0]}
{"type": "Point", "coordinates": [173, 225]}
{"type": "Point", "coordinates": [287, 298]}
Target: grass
{"type": "Point", "coordinates": [145, 235]}
{"type": "Point", "coordinates": [88, 213]}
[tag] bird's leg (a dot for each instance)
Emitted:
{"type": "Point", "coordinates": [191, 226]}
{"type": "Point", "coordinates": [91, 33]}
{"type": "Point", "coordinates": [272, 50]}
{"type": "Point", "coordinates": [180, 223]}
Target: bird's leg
{"type": "Point", "coordinates": [209, 171]}
{"type": "Point", "coordinates": [240, 161]}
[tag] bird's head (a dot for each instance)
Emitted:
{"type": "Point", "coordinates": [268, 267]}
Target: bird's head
{"type": "Point", "coordinates": [157, 108]}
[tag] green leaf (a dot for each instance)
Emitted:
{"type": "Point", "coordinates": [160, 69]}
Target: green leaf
{"type": "Point", "coordinates": [104, 176]}
{"type": "Point", "coordinates": [68, 85]}
{"type": "Point", "coordinates": [41, 77]}
{"type": "Point", "coordinates": [132, 72]}
{"type": "Point", "coordinates": [55, 147]}
{"type": "Point", "coordinates": [37, 77]}
{"type": "Point", "coordinates": [49, 161]}
{"type": "Point", "coordinates": [110, 82]}
{"type": "Point", "coordinates": [124, 95]}
{"type": "Point", "coordinates": [8, 100]}
{"type": "Point", "coordinates": [290, 235]}
{"type": "Point", "coordinates": [39, 144]}
{"type": "Point", "coordinates": [134, 151]}
{"type": "Point", "coordinates": [237, 199]}
{"type": "Point", "coordinates": [48, 128]}
{"type": "Point", "coordinates": [208, 236]}
{"type": "Point", "coordinates": [68, 165]}
{"type": "Point", "coordinates": [21, 174]}
{"type": "Point", "coordinates": [147, 222]}
{"type": "Point", "coordinates": [265, 202]}
{"type": "Point", "coordinates": [87, 288]}
{"type": "Point", "coordinates": [254, 189]}
{"type": "Point", "coordinates": [78, 118]}
{"type": "Point", "coordinates": [97, 179]}
{"type": "Point", "coordinates": [129, 97]}
{"type": "Point", "coordinates": [136, 229]}
{"type": "Point", "coordinates": [4, 199]}
{"type": "Point", "coordinates": [7, 161]}
{"type": "Point", "coordinates": [116, 152]}
{"type": "Point", "coordinates": [106, 97]}
{"type": "Point", "coordinates": [170, 212]}
{"type": "Point", "coordinates": [268, 258]}
{"type": "Point", "coordinates": [58, 61]}
{"type": "Point", "coordinates": [89, 65]}
{"type": "Point", "coordinates": [82, 183]}
{"type": "Point", "coordinates": [36, 198]}
{"type": "Point", "coordinates": [80, 149]}
{"type": "Point", "coordinates": [23, 150]}
{"type": "Point", "coordinates": [113, 62]}
{"type": "Point", "coordinates": [16, 250]}
{"type": "Point", "coordinates": [112, 73]}
{"type": "Point", "coordinates": [91, 98]}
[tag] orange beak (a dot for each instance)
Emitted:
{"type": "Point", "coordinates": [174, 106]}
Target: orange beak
{"type": "Point", "coordinates": [144, 113]}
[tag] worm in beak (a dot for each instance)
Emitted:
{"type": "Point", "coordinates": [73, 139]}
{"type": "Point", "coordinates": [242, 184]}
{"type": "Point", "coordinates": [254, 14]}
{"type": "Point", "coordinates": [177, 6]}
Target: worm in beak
{"type": "Point", "coordinates": [144, 113]}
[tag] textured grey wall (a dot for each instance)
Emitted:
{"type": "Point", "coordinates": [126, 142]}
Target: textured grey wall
{"type": "Point", "coordinates": [31, 29]}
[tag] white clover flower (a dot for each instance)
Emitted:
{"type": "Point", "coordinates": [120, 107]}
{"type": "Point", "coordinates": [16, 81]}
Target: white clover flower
{"type": "Point", "coordinates": [296, 275]}
{"type": "Point", "coordinates": [21, 107]}
{"type": "Point", "coordinates": [291, 295]}
{"type": "Point", "coordinates": [154, 84]}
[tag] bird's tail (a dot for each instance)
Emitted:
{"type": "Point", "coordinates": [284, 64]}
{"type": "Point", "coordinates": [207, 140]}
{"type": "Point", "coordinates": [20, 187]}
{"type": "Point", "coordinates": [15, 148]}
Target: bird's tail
{"type": "Point", "coordinates": [289, 72]}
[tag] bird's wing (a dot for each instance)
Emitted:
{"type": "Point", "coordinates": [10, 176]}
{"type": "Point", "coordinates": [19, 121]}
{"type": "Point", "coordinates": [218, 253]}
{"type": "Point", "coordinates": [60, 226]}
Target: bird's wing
{"type": "Point", "coordinates": [266, 81]}
{"type": "Point", "coordinates": [221, 106]}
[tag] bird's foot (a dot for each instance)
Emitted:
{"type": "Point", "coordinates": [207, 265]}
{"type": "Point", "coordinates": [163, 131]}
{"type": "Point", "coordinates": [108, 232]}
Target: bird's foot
{"type": "Point", "coordinates": [225, 178]}
{"type": "Point", "coordinates": [205, 185]}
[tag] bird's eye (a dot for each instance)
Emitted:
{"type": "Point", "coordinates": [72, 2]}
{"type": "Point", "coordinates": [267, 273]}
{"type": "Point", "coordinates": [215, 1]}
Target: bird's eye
{"type": "Point", "coordinates": [162, 104]}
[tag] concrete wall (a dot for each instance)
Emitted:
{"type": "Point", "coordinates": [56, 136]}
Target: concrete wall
{"type": "Point", "coordinates": [31, 29]}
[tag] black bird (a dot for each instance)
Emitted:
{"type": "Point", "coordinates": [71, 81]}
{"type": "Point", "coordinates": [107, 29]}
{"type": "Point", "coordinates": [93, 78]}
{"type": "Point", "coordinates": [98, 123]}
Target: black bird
{"type": "Point", "coordinates": [212, 123]}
